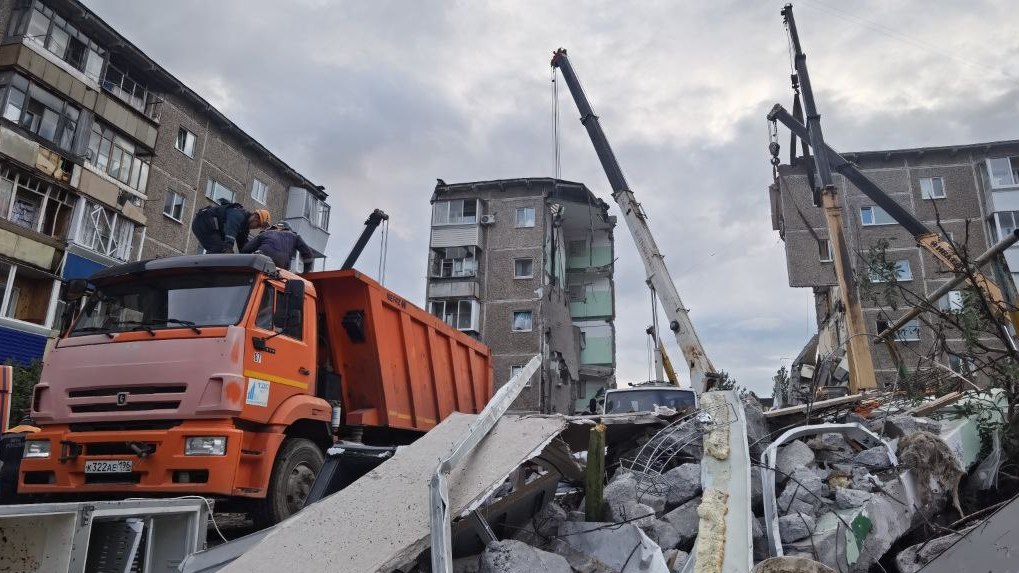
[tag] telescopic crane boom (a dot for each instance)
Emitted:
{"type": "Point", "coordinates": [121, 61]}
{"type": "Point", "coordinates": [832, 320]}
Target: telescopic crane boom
{"type": "Point", "coordinates": [702, 372]}
{"type": "Point", "coordinates": [373, 221]}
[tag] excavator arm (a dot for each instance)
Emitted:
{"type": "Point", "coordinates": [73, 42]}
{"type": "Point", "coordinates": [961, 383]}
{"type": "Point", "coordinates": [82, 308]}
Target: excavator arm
{"type": "Point", "coordinates": [702, 372]}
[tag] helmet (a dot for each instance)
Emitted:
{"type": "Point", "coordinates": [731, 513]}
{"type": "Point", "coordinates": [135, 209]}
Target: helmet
{"type": "Point", "coordinates": [264, 218]}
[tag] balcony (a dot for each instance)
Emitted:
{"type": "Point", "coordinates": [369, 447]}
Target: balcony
{"type": "Point", "coordinates": [308, 216]}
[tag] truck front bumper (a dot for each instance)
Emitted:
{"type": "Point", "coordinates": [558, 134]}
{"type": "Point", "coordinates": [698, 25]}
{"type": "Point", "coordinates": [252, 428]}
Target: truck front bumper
{"type": "Point", "coordinates": [161, 468]}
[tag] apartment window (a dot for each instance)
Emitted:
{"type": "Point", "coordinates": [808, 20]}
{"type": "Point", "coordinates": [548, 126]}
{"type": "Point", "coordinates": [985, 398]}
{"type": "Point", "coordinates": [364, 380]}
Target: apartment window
{"type": "Point", "coordinates": [875, 215]}
{"type": "Point", "coordinates": [35, 204]}
{"type": "Point", "coordinates": [215, 190]}
{"type": "Point", "coordinates": [38, 111]}
{"type": "Point", "coordinates": [39, 24]}
{"type": "Point", "coordinates": [516, 369]}
{"type": "Point", "coordinates": [117, 157]}
{"type": "Point", "coordinates": [316, 211]}
{"type": "Point", "coordinates": [903, 272]}
{"type": "Point", "coordinates": [1003, 171]}
{"type": "Point", "coordinates": [824, 251]}
{"type": "Point", "coordinates": [910, 332]}
{"type": "Point", "coordinates": [951, 302]}
{"type": "Point", "coordinates": [522, 320]}
{"type": "Point", "coordinates": [106, 232]}
{"type": "Point", "coordinates": [932, 187]}
{"type": "Point", "coordinates": [185, 142]}
{"type": "Point", "coordinates": [523, 268]}
{"type": "Point", "coordinates": [25, 294]}
{"type": "Point", "coordinates": [525, 216]}
{"type": "Point", "coordinates": [118, 81]}
{"type": "Point", "coordinates": [173, 206]}
{"type": "Point", "coordinates": [455, 212]}
{"type": "Point", "coordinates": [259, 191]}
{"type": "Point", "coordinates": [960, 364]}
{"type": "Point", "coordinates": [458, 313]}
{"type": "Point", "coordinates": [1007, 221]}
{"type": "Point", "coordinates": [454, 262]}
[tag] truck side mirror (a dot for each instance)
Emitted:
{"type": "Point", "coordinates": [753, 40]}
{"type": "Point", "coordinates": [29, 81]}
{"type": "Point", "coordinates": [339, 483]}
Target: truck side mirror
{"type": "Point", "coordinates": [290, 302]}
{"type": "Point", "coordinates": [75, 290]}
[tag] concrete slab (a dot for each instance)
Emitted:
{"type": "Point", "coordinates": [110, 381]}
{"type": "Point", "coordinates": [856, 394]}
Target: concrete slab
{"type": "Point", "coordinates": [382, 521]}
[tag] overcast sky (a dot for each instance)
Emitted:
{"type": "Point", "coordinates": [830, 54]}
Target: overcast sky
{"type": "Point", "coordinates": [375, 100]}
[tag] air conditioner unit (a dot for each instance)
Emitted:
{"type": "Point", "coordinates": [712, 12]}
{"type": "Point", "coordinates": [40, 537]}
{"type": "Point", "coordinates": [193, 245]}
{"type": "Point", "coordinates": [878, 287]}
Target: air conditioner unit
{"type": "Point", "coordinates": [488, 219]}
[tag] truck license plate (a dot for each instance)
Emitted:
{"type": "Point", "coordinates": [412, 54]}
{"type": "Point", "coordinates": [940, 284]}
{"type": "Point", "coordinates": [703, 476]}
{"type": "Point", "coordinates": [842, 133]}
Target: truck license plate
{"type": "Point", "coordinates": [108, 467]}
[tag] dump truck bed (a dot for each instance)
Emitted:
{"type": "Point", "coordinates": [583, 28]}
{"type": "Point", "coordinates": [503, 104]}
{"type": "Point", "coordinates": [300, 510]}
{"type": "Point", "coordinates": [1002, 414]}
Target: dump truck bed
{"type": "Point", "coordinates": [400, 367]}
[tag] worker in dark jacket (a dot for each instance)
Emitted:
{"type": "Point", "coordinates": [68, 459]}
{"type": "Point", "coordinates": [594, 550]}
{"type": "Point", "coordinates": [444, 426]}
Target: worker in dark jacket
{"type": "Point", "coordinates": [220, 227]}
{"type": "Point", "coordinates": [280, 243]}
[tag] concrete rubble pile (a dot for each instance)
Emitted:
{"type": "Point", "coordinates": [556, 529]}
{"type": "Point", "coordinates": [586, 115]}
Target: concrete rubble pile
{"type": "Point", "coordinates": [853, 493]}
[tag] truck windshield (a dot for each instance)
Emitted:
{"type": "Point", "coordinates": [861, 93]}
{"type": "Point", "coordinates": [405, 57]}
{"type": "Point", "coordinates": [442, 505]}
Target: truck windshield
{"type": "Point", "coordinates": [645, 399]}
{"type": "Point", "coordinates": [153, 302]}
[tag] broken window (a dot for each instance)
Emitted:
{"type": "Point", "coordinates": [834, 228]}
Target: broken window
{"type": "Point", "coordinates": [824, 251]}
{"type": "Point", "coordinates": [117, 157]}
{"type": "Point", "coordinates": [525, 217]}
{"type": "Point", "coordinates": [910, 332]}
{"type": "Point", "coordinates": [34, 204]}
{"type": "Point", "coordinates": [215, 190]}
{"type": "Point", "coordinates": [185, 142]}
{"type": "Point", "coordinates": [523, 268]}
{"type": "Point", "coordinates": [458, 313]}
{"type": "Point", "coordinates": [454, 262]}
{"type": "Point", "coordinates": [173, 205]}
{"type": "Point", "coordinates": [455, 212]}
{"type": "Point", "coordinates": [39, 111]}
{"type": "Point", "coordinates": [25, 294]}
{"type": "Point", "coordinates": [106, 232]}
{"type": "Point", "coordinates": [316, 211]}
{"type": "Point", "coordinates": [932, 188]}
{"type": "Point", "coordinates": [40, 24]}
{"type": "Point", "coordinates": [119, 81]}
{"type": "Point", "coordinates": [875, 215]}
{"type": "Point", "coordinates": [522, 320]}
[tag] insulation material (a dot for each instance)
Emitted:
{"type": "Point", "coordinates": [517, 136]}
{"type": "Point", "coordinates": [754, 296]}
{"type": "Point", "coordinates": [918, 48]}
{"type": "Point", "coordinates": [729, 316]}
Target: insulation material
{"type": "Point", "coordinates": [710, 550]}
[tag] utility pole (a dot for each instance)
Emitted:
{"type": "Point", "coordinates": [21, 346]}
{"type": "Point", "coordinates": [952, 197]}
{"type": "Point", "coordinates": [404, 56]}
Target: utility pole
{"type": "Point", "coordinates": [861, 363]}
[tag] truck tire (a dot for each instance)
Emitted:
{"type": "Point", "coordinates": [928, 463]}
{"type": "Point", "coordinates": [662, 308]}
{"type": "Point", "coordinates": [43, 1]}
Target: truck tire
{"type": "Point", "coordinates": [297, 465]}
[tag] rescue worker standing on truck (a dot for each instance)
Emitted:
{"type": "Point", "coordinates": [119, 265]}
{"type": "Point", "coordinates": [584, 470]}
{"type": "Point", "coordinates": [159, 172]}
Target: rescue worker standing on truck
{"type": "Point", "coordinates": [280, 243]}
{"type": "Point", "coordinates": [220, 227]}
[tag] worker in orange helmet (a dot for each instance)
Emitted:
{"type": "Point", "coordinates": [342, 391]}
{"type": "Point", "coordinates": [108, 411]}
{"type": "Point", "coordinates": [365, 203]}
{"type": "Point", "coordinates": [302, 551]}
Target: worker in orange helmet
{"type": "Point", "coordinates": [222, 226]}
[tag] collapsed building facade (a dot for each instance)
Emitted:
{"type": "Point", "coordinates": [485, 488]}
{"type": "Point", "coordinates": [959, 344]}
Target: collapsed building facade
{"type": "Point", "coordinates": [526, 265]}
{"type": "Point", "coordinates": [968, 193]}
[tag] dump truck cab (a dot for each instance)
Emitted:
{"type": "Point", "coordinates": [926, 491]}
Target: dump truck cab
{"type": "Point", "coordinates": [181, 374]}
{"type": "Point", "coordinates": [646, 397]}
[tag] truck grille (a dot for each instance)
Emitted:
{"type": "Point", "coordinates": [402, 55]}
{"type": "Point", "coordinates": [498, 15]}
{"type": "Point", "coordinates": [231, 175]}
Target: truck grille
{"type": "Point", "coordinates": [124, 426]}
{"type": "Point", "coordinates": [130, 407]}
{"type": "Point", "coordinates": [133, 477]}
{"type": "Point", "coordinates": [133, 390]}
{"type": "Point", "coordinates": [115, 448]}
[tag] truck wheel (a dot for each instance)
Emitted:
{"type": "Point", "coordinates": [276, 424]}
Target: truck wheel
{"type": "Point", "coordinates": [297, 464]}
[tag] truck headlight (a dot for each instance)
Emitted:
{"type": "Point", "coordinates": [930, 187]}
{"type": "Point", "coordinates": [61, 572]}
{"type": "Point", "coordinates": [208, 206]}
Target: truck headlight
{"type": "Point", "coordinates": [37, 449]}
{"type": "Point", "coordinates": [205, 446]}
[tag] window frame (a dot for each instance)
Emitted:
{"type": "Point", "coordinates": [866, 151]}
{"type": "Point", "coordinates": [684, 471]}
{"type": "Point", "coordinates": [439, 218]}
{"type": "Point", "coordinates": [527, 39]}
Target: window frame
{"type": "Point", "coordinates": [170, 193]}
{"type": "Point", "coordinates": [211, 185]}
{"type": "Point", "coordinates": [527, 222]}
{"type": "Point", "coordinates": [907, 275]}
{"type": "Point", "coordinates": [459, 304]}
{"type": "Point", "coordinates": [928, 194]}
{"type": "Point", "coordinates": [874, 210]}
{"type": "Point", "coordinates": [953, 301]}
{"type": "Point", "coordinates": [443, 266]}
{"type": "Point", "coordinates": [445, 207]}
{"type": "Point", "coordinates": [181, 130]}
{"type": "Point", "coordinates": [257, 183]}
{"type": "Point", "coordinates": [906, 330]}
{"type": "Point", "coordinates": [1013, 170]}
{"type": "Point", "coordinates": [530, 263]}
{"type": "Point", "coordinates": [826, 244]}
{"type": "Point", "coordinates": [530, 320]}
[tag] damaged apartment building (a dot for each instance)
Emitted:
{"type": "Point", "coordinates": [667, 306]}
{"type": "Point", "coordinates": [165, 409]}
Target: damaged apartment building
{"type": "Point", "coordinates": [967, 193]}
{"type": "Point", "coordinates": [526, 265]}
{"type": "Point", "coordinates": [104, 158]}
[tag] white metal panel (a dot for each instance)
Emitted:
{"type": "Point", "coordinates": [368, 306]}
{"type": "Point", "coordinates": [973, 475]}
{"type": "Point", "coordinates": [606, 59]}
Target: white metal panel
{"type": "Point", "coordinates": [456, 236]}
{"type": "Point", "coordinates": [449, 289]}
{"type": "Point", "coordinates": [1005, 200]}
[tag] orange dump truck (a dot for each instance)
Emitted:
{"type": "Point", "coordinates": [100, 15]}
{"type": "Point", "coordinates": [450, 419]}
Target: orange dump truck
{"type": "Point", "coordinates": [221, 375]}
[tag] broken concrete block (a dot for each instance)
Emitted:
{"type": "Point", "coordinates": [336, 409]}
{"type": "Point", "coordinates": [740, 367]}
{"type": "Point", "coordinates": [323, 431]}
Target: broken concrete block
{"type": "Point", "coordinates": [543, 526]}
{"type": "Point", "coordinates": [578, 560]}
{"type": "Point", "coordinates": [805, 485]}
{"type": "Point", "coordinates": [663, 533]}
{"type": "Point", "coordinates": [760, 538]}
{"type": "Point", "coordinates": [863, 480]}
{"type": "Point", "coordinates": [901, 426]}
{"type": "Point", "coordinates": [795, 527]}
{"type": "Point", "coordinates": [510, 556]}
{"type": "Point", "coordinates": [875, 458]}
{"type": "Point", "coordinates": [794, 455]}
{"type": "Point", "coordinates": [686, 521]}
{"type": "Point", "coordinates": [676, 559]}
{"type": "Point", "coordinates": [915, 557]}
{"type": "Point", "coordinates": [470, 564]}
{"type": "Point", "coordinates": [758, 434]}
{"type": "Point", "coordinates": [625, 548]}
{"type": "Point", "coordinates": [684, 483]}
{"type": "Point", "coordinates": [791, 564]}
{"type": "Point", "coordinates": [576, 516]}
{"type": "Point", "coordinates": [632, 512]}
{"type": "Point", "coordinates": [624, 490]}
{"type": "Point", "coordinates": [847, 498]}
{"type": "Point", "coordinates": [756, 491]}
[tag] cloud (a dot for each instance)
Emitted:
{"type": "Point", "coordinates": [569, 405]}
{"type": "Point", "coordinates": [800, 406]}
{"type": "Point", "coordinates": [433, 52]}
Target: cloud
{"type": "Point", "coordinates": [375, 100]}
